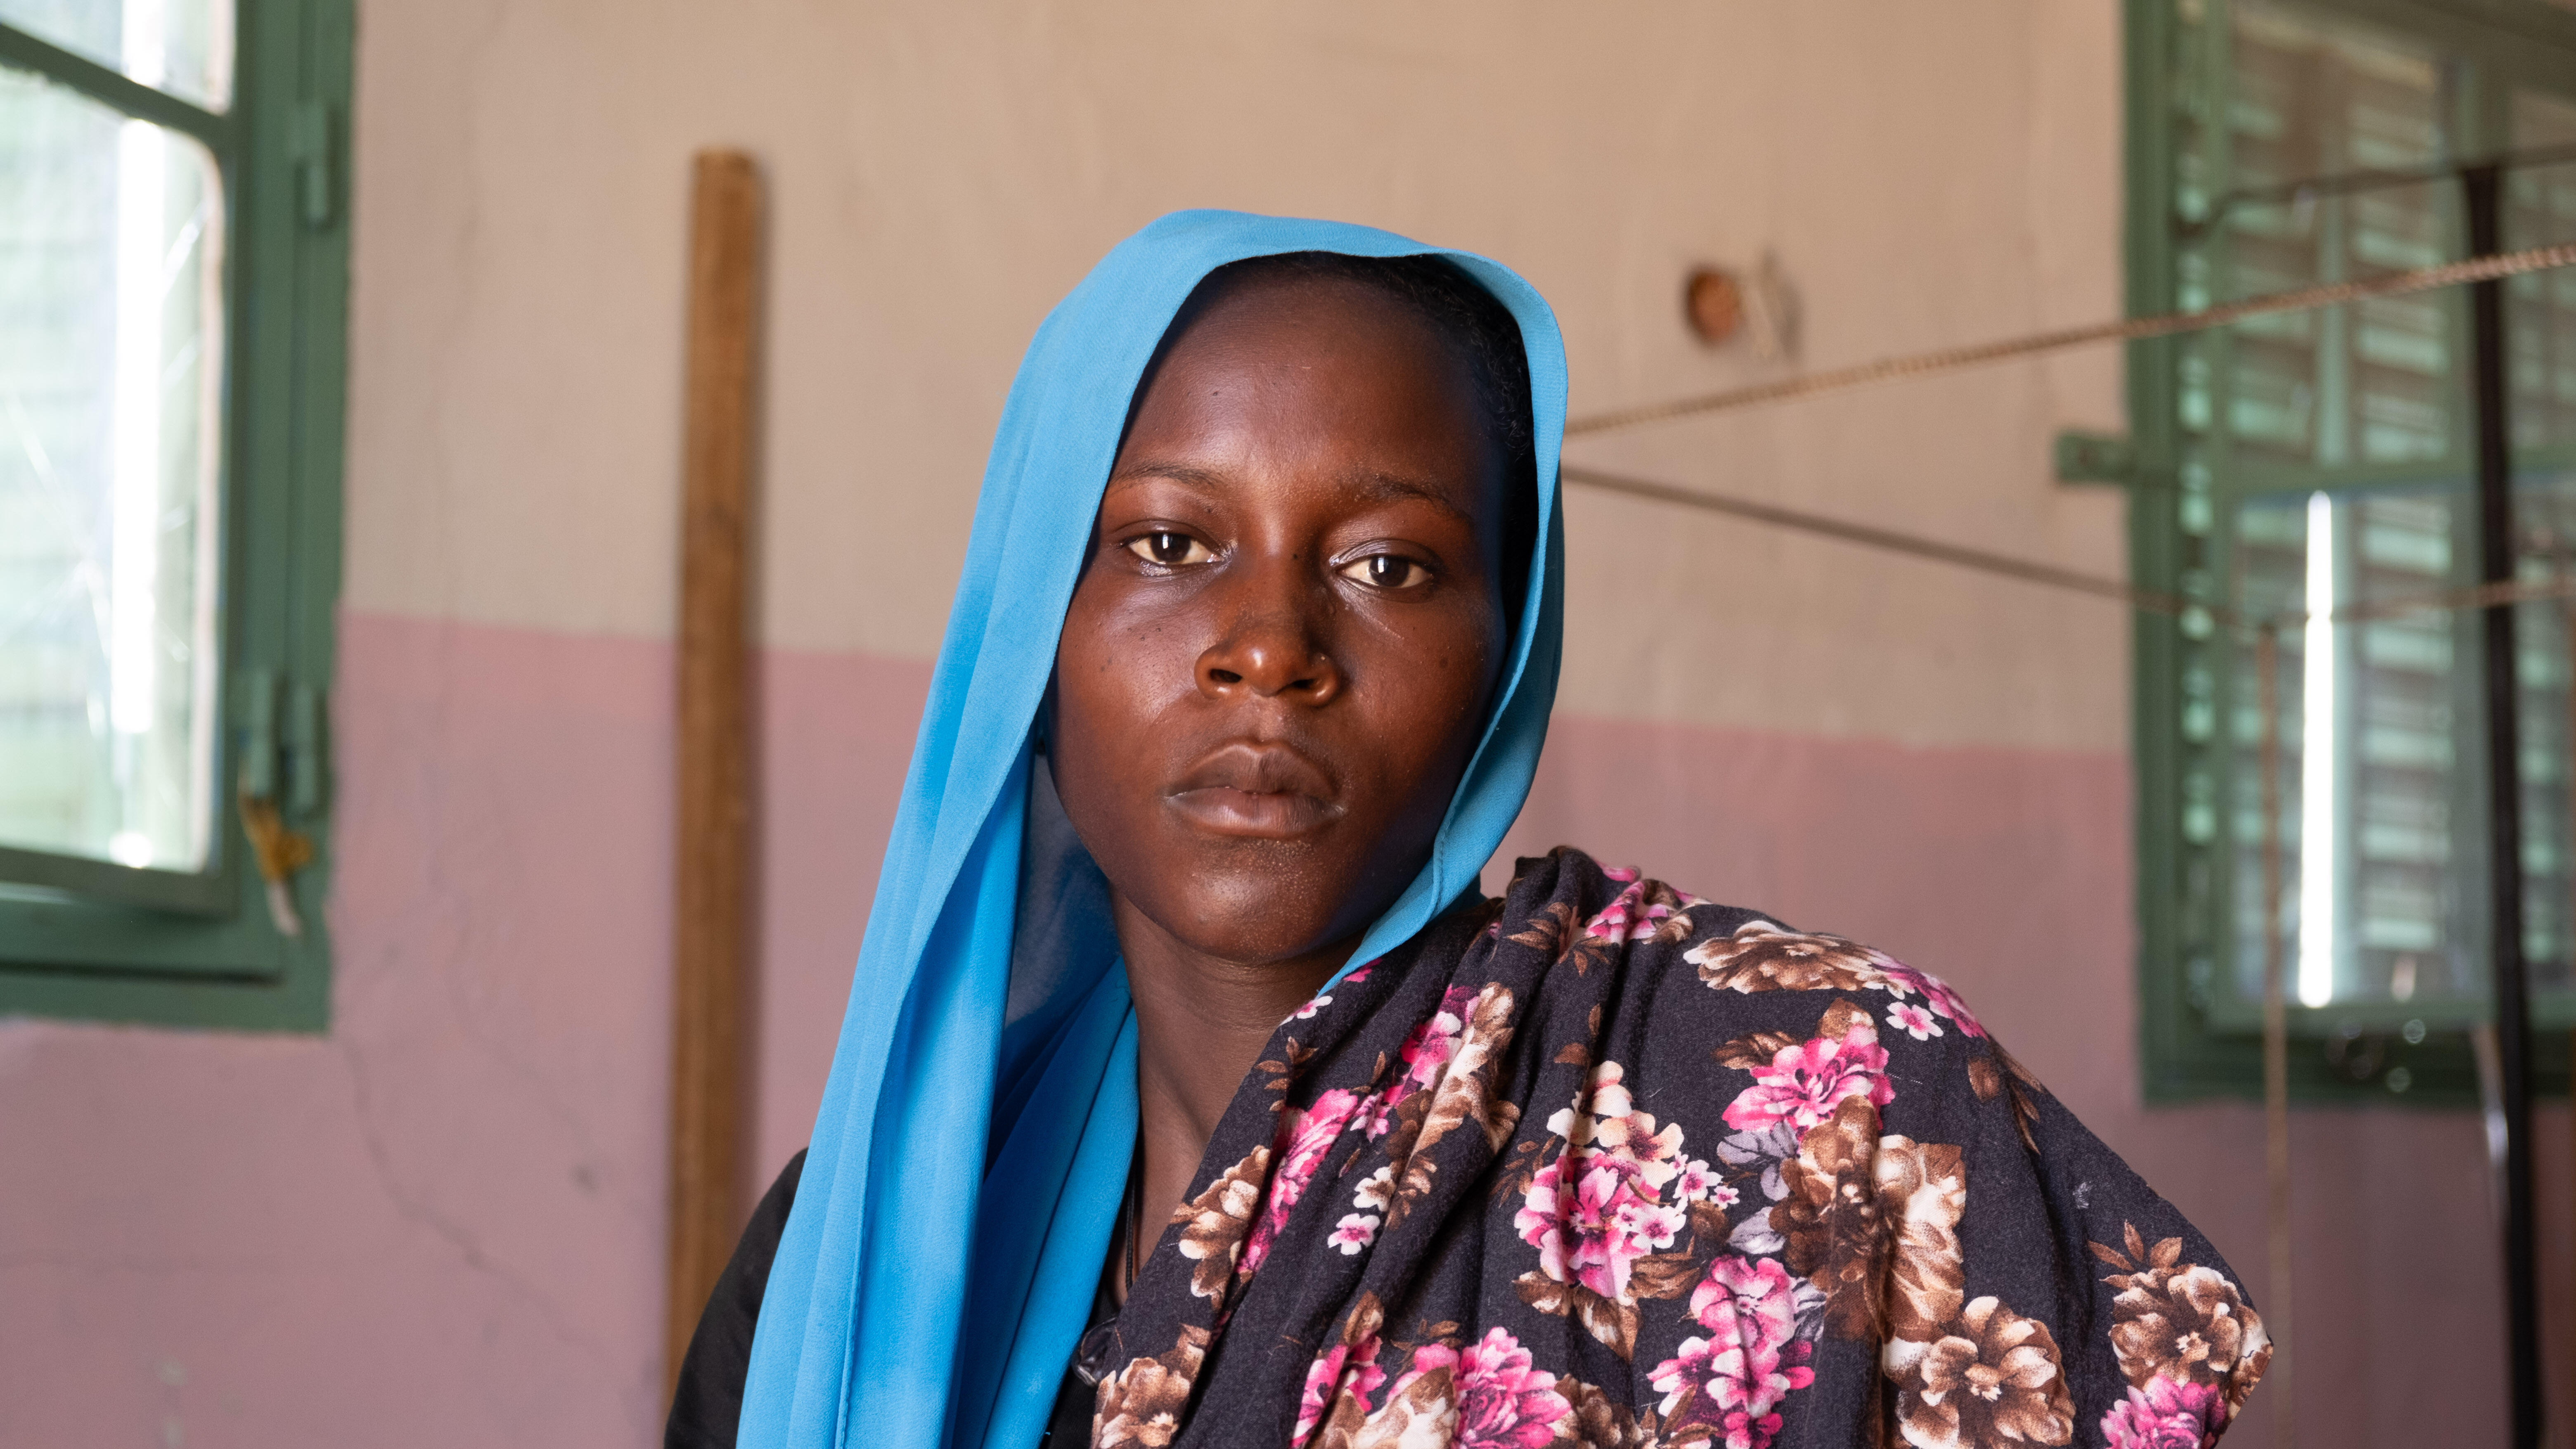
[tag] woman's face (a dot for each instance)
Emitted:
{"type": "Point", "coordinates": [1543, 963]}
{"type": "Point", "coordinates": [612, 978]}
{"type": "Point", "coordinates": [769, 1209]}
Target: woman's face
{"type": "Point", "coordinates": [1289, 625]}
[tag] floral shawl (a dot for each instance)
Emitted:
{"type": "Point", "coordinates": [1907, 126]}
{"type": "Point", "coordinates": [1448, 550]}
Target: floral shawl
{"type": "Point", "coordinates": [1603, 1164]}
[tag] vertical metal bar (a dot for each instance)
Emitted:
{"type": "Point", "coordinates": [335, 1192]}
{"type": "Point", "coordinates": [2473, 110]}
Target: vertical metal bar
{"type": "Point", "coordinates": [711, 911]}
{"type": "Point", "coordinates": [2567, 906]}
{"type": "Point", "coordinates": [2276, 1042]}
{"type": "Point", "coordinates": [2485, 186]}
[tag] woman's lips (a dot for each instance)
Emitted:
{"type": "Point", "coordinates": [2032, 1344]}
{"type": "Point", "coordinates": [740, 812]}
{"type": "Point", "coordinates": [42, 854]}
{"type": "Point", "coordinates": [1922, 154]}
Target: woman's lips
{"type": "Point", "coordinates": [1255, 791]}
{"type": "Point", "coordinates": [1275, 815]}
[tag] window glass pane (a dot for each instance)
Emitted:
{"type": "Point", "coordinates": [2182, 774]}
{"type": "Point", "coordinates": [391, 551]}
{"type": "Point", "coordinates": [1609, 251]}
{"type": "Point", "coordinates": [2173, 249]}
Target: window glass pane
{"type": "Point", "coordinates": [184, 47]}
{"type": "Point", "coordinates": [111, 353]}
{"type": "Point", "coordinates": [2381, 770]}
{"type": "Point", "coordinates": [2545, 523]}
{"type": "Point", "coordinates": [2540, 210]}
{"type": "Point", "coordinates": [2366, 383]}
{"type": "Point", "coordinates": [2380, 786]}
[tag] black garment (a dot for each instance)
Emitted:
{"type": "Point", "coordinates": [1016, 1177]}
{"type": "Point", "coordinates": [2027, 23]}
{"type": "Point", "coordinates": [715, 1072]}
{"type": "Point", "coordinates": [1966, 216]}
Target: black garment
{"type": "Point", "coordinates": [706, 1412]}
{"type": "Point", "coordinates": [707, 1409]}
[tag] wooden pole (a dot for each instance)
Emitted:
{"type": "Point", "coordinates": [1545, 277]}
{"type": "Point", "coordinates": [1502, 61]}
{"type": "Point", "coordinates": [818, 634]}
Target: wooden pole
{"type": "Point", "coordinates": [711, 918]}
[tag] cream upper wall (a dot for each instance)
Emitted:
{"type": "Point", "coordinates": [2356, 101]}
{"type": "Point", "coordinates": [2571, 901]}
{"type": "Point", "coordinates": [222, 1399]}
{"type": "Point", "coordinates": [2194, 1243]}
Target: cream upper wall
{"type": "Point", "coordinates": [941, 173]}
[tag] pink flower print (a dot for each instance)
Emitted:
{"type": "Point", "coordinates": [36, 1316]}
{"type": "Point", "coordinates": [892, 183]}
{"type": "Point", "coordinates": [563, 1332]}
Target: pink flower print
{"type": "Point", "coordinates": [1424, 1056]}
{"type": "Point", "coordinates": [2166, 1414]}
{"type": "Point", "coordinates": [1377, 1112]}
{"type": "Point", "coordinates": [1752, 1358]}
{"type": "Point", "coordinates": [1623, 874]}
{"type": "Point", "coordinates": [1744, 1431]}
{"type": "Point", "coordinates": [1913, 1020]}
{"type": "Point", "coordinates": [1594, 1230]}
{"type": "Point", "coordinates": [1804, 1082]}
{"type": "Point", "coordinates": [1755, 1381]}
{"type": "Point", "coordinates": [1356, 977]}
{"type": "Point", "coordinates": [1354, 1232]}
{"type": "Point", "coordinates": [1747, 1302]}
{"type": "Point", "coordinates": [1698, 1182]}
{"type": "Point", "coordinates": [1599, 1204]}
{"type": "Point", "coordinates": [1628, 918]}
{"type": "Point", "coordinates": [1303, 1139]}
{"type": "Point", "coordinates": [1307, 1011]}
{"type": "Point", "coordinates": [1675, 1377]}
{"type": "Point", "coordinates": [1428, 1048]}
{"type": "Point", "coordinates": [1325, 1372]}
{"type": "Point", "coordinates": [1504, 1401]}
{"type": "Point", "coordinates": [1901, 979]}
{"type": "Point", "coordinates": [1606, 1119]}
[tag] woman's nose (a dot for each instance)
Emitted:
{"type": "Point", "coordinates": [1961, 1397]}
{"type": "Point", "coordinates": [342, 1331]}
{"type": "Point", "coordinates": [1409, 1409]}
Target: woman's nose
{"type": "Point", "coordinates": [1273, 645]}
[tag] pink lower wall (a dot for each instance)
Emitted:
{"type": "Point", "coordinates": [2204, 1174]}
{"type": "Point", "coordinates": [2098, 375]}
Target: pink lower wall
{"type": "Point", "coordinates": [441, 1224]}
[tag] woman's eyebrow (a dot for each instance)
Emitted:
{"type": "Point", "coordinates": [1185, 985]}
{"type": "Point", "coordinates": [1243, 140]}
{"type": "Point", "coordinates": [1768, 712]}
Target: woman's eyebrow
{"type": "Point", "coordinates": [1363, 485]}
{"type": "Point", "coordinates": [1205, 480]}
{"type": "Point", "coordinates": [1374, 486]}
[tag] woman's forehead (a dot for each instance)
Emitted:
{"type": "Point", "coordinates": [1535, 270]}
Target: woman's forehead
{"type": "Point", "coordinates": [1299, 355]}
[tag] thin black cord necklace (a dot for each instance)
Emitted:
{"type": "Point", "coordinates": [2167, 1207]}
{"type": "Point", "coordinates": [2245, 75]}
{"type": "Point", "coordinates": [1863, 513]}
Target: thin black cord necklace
{"type": "Point", "coordinates": [1134, 1226]}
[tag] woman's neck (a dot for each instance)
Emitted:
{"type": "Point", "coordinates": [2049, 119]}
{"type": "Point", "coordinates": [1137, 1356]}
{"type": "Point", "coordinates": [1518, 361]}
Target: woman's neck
{"type": "Point", "coordinates": [1200, 1025]}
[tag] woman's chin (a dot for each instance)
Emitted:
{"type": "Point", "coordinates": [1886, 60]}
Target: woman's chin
{"type": "Point", "coordinates": [1238, 912]}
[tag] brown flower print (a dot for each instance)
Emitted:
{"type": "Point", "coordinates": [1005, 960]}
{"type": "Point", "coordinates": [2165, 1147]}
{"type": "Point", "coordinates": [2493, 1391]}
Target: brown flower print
{"type": "Point", "coordinates": [1762, 957]}
{"type": "Point", "coordinates": [1831, 1219]}
{"type": "Point", "coordinates": [1215, 1223]}
{"type": "Point", "coordinates": [1675, 928]}
{"type": "Point", "coordinates": [1998, 1071]}
{"type": "Point", "coordinates": [1463, 1094]}
{"type": "Point", "coordinates": [1984, 1078]}
{"type": "Point", "coordinates": [1597, 1422]}
{"type": "Point", "coordinates": [1754, 1050]}
{"type": "Point", "coordinates": [2181, 1321]}
{"type": "Point", "coordinates": [1141, 1404]}
{"type": "Point", "coordinates": [1552, 931]}
{"type": "Point", "coordinates": [1344, 1412]}
{"type": "Point", "coordinates": [1422, 1414]}
{"type": "Point", "coordinates": [1992, 1379]}
{"type": "Point", "coordinates": [1922, 1191]}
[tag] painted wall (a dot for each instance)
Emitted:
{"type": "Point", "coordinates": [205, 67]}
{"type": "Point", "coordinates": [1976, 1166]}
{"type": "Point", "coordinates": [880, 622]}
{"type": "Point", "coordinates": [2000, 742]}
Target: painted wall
{"type": "Point", "coordinates": [442, 1222]}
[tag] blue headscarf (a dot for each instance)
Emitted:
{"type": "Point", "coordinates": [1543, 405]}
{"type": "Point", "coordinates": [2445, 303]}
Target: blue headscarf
{"type": "Point", "coordinates": [918, 1299]}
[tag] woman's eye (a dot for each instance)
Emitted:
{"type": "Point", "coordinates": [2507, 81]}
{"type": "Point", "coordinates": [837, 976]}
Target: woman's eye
{"type": "Point", "coordinates": [1387, 571]}
{"type": "Point", "coordinates": [1170, 549]}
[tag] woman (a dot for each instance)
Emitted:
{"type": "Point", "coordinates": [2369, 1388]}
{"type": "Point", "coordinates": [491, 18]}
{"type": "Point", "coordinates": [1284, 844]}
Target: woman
{"type": "Point", "coordinates": [1191, 1093]}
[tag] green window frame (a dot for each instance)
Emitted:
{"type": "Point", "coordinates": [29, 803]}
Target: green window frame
{"type": "Point", "coordinates": [91, 940]}
{"type": "Point", "coordinates": [2195, 486]}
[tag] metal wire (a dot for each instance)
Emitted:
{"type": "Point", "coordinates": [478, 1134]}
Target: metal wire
{"type": "Point", "coordinates": [1870, 536]}
{"type": "Point", "coordinates": [2047, 575]}
{"type": "Point", "coordinates": [2291, 193]}
{"type": "Point", "coordinates": [1952, 359]}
